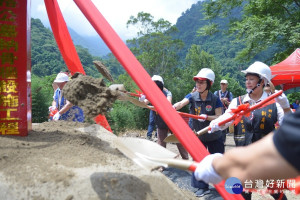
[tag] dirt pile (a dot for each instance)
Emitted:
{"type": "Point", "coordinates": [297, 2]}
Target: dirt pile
{"type": "Point", "coordinates": [90, 94]}
{"type": "Point", "coordinates": [68, 160]}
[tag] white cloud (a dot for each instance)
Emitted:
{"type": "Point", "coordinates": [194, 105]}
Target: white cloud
{"type": "Point", "coordinates": [116, 12]}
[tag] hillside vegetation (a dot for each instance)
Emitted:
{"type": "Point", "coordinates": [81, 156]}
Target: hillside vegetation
{"type": "Point", "coordinates": [206, 35]}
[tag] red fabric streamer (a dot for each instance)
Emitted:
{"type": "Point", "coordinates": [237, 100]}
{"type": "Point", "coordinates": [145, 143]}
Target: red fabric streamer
{"type": "Point", "coordinates": [101, 120]}
{"type": "Point", "coordinates": [237, 112]}
{"type": "Point", "coordinates": [174, 121]}
{"type": "Point", "coordinates": [62, 37]}
{"type": "Point", "coordinates": [67, 48]}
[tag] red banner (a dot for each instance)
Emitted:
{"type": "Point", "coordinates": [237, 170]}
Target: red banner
{"type": "Point", "coordinates": [15, 81]}
{"type": "Point", "coordinates": [62, 37]}
{"type": "Point", "coordinates": [66, 47]}
{"type": "Point", "coordinates": [181, 130]}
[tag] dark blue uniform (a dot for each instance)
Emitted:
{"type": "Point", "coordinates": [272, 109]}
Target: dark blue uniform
{"type": "Point", "coordinates": [260, 122]}
{"type": "Point", "coordinates": [213, 142]}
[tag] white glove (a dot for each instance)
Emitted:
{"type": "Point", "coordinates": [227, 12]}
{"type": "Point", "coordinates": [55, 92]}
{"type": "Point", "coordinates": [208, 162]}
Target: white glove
{"type": "Point", "coordinates": [51, 108]}
{"type": "Point", "coordinates": [215, 127]}
{"type": "Point", "coordinates": [206, 172]}
{"type": "Point", "coordinates": [283, 101]}
{"type": "Point", "coordinates": [56, 116]}
{"type": "Point", "coordinates": [204, 116]}
{"type": "Point", "coordinates": [142, 98]}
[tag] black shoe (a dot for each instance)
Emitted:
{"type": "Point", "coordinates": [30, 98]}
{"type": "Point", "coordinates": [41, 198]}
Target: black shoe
{"type": "Point", "coordinates": [202, 192]}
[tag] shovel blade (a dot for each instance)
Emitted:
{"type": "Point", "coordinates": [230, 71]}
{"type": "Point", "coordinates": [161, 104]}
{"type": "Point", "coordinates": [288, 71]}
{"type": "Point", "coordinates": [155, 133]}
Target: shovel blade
{"type": "Point", "coordinates": [132, 147]}
{"type": "Point", "coordinates": [171, 139]}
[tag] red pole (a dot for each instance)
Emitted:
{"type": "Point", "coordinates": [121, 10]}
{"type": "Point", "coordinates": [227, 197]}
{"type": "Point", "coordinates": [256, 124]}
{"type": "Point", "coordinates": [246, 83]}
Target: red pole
{"type": "Point", "coordinates": [62, 37]}
{"type": "Point", "coordinates": [66, 47]}
{"type": "Point", "coordinates": [181, 130]}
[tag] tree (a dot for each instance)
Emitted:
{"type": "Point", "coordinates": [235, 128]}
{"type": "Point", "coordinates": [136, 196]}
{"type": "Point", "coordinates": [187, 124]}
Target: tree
{"type": "Point", "coordinates": [45, 55]}
{"type": "Point", "coordinates": [195, 60]}
{"type": "Point", "coordinates": [42, 97]}
{"type": "Point", "coordinates": [154, 46]}
{"type": "Point", "coordinates": [125, 115]}
{"type": "Point", "coordinates": [264, 24]}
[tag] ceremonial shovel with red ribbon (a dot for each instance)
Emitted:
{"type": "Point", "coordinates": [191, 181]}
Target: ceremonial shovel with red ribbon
{"type": "Point", "coordinates": [141, 104]}
{"type": "Point", "coordinates": [243, 110]}
{"type": "Point", "coordinates": [238, 113]}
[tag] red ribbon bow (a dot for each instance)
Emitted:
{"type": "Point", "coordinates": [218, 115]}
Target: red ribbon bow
{"type": "Point", "coordinates": [240, 111]}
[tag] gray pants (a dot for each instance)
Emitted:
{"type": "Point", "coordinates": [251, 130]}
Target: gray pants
{"type": "Point", "coordinates": [162, 134]}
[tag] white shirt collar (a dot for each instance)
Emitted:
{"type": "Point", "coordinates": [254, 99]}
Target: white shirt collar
{"type": "Point", "coordinates": [251, 101]}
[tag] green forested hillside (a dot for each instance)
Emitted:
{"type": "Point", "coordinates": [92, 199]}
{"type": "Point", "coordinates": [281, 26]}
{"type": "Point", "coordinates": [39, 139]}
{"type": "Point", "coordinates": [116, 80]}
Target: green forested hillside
{"type": "Point", "coordinates": [94, 44]}
{"type": "Point", "coordinates": [219, 43]}
{"type": "Point", "coordinates": [45, 55]}
{"type": "Point", "coordinates": [177, 53]}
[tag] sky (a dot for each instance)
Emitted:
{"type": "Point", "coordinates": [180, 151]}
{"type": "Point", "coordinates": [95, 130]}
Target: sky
{"type": "Point", "coordinates": [116, 12]}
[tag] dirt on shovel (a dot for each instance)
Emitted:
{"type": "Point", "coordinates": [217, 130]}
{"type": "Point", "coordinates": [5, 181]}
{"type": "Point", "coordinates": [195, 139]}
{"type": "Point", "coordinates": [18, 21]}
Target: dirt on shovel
{"type": "Point", "coordinates": [90, 94]}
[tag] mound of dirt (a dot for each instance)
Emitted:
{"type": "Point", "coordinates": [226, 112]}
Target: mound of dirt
{"type": "Point", "coordinates": [68, 160]}
{"type": "Point", "coordinates": [90, 94]}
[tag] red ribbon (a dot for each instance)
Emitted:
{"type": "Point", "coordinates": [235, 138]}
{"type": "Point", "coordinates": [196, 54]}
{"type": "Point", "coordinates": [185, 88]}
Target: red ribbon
{"type": "Point", "coordinates": [62, 37]}
{"type": "Point", "coordinates": [238, 114]}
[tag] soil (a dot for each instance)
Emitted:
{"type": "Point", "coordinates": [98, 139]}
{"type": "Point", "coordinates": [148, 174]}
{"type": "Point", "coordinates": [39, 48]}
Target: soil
{"type": "Point", "coordinates": [90, 94]}
{"type": "Point", "coordinates": [103, 70]}
{"type": "Point", "coordinates": [68, 160]}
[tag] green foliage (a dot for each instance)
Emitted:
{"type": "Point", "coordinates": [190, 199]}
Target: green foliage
{"type": "Point", "coordinates": [293, 97]}
{"type": "Point", "coordinates": [128, 83]}
{"type": "Point", "coordinates": [155, 48]}
{"type": "Point", "coordinates": [181, 83]}
{"type": "Point", "coordinates": [209, 29]}
{"type": "Point", "coordinates": [42, 96]}
{"type": "Point", "coordinates": [125, 115]}
{"type": "Point", "coordinates": [264, 23]}
{"type": "Point", "coordinates": [113, 65]}
{"type": "Point", "coordinates": [87, 62]}
{"type": "Point", "coordinates": [234, 86]}
{"type": "Point", "coordinates": [46, 58]}
{"type": "Point", "coordinates": [195, 29]}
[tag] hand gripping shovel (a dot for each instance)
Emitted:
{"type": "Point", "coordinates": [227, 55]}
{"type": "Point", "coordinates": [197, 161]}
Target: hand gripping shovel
{"type": "Point", "coordinates": [238, 113]}
{"type": "Point", "coordinates": [123, 95]}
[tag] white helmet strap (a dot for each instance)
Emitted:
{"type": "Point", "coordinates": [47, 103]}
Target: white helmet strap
{"type": "Point", "coordinates": [249, 91]}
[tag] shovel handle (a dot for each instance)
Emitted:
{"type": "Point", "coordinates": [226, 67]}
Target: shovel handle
{"type": "Point", "coordinates": [133, 94]}
{"type": "Point", "coordinates": [191, 115]}
{"type": "Point", "coordinates": [203, 131]}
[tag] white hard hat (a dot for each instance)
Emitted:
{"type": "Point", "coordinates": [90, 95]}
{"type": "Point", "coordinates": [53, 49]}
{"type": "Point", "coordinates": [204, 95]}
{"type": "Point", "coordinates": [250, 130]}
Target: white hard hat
{"type": "Point", "coordinates": [157, 78]}
{"type": "Point", "coordinates": [205, 73]}
{"type": "Point", "coordinates": [61, 77]}
{"type": "Point", "coordinates": [261, 69]}
{"type": "Point", "coordinates": [224, 81]}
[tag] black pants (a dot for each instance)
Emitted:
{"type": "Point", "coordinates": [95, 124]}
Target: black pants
{"type": "Point", "coordinates": [216, 146]}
